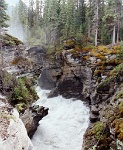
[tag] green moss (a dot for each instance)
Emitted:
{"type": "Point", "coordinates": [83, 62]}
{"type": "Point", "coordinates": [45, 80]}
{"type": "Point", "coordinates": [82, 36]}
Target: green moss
{"type": "Point", "coordinates": [97, 129]}
{"type": "Point", "coordinates": [121, 109]}
{"type": "Point", "coordinates": [115, 75]}
{"type": "Point", "coordinates": [93, 148]}
{"type": "Point", "coordinates": [88, 48]}
{"type": "Point", "coordinates": [10, 40]}
{"type": "Point", "coordinates": [120, 53]}
{"type": "Point", "coordinates": [20, 107]}
{"type": "Point", "coordinates": [118, 69]}
{"type": "Point", "coordinates": [106, 82]}
{"type": "Point", "coordinates": [119, 95]}
{"type": "Point", "coordinates": [69, 43]}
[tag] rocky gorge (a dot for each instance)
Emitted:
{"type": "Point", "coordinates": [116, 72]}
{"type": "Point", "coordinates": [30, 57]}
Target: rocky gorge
{"type": "Point", "coordinates": [19, 118]}
{"type": "Point", "coordinates": [92, 74]}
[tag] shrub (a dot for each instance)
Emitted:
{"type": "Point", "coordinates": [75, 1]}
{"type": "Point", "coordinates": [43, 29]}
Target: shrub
{"type": "Point", "coordinates": [120, 53]}
{"type": "Point", "coordinates": [23, 92]}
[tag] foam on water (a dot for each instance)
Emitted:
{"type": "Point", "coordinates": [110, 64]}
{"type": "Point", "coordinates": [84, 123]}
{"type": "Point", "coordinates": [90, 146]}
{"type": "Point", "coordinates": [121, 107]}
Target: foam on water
{"type": "Point", "coordinates": [64, 126]}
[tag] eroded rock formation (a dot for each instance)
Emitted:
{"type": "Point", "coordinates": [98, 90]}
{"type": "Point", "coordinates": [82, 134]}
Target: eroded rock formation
{"type": "Point", "coordinates": [13, 134]}
{"type": "Point", "coordinates": [89, 74]}
{"type": "Point", "coordinates": [31, 118]}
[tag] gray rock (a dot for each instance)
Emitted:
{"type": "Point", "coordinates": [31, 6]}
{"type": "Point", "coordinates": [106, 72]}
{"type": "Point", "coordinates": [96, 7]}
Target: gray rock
{"type": "Point", "coordinates": [48, 78]}
{"type": "Point", "coordinates": [93, 118]}
{"type": "Point", "coordinates": [53, 93]}
{"type": "Point", "coordinates": [31, 118]}
{"type": "Point", "coordinates": [94, 110]}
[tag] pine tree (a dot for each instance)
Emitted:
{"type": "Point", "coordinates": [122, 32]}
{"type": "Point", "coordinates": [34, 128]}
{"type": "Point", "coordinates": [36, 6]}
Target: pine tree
{"type": "Point", "coordinates": [3, 16]}
{"type": "Point", "coordinates": [113, 19]}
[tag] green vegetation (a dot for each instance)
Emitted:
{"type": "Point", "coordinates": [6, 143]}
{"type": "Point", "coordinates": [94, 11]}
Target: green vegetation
{"type": "Point", "coordinates": [120, 54]}
{"type": "Point", "coordinates": [115, 74]}
{"type": "Point", "coordinates": [23, 94]}
{"type": "Point", "coordinates": [118, 69]}
{"type": "Point", "coordinates": [3, 16]}
{"type": "Point", "coordinates": [63, 19]}
{"type": "Point", "coordinates": [121, 109]}
{"type": "Point", "coordinates": [97, 129]}
{"type": "Point", "coordinates": [93, 148]}
{"type": "Point", "coordinates": [6, 116]}
{"type": "Point", "coordinates": [7, 82]}
{"type": "Point", "coordinates": [10, 40]}
{"type": "Point", "coordinates": [119, 95]}
{"type": "Point", "coordinates": [20, 92]}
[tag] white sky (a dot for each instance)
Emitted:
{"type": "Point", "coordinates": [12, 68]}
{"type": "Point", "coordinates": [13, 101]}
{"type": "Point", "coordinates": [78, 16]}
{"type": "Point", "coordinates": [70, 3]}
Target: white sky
{"type": "Point", "coordinates": [13, 2]}
{"type": "Point", "coordinates": [26, 1]}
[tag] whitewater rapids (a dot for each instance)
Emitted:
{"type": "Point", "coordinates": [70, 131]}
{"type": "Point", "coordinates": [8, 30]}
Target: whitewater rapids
{"type": "Point", "coordinates": [63, 128]}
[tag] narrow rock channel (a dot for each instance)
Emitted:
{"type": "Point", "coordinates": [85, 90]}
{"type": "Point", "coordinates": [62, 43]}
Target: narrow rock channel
{"type": "Point", "coordinates": [64, 126]}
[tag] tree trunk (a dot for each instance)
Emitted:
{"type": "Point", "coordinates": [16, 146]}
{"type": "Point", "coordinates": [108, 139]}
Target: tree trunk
{"type": "Point", "coordinates": [97, 18]}
{"type": "Point", "coordinates": [89, 28]}
{"type": "Point", "coordinates": [96, 37]}
{"type": "Point", "coordinates": [114, 35]}
{"type": "Point", "coordinates": [118, 30]}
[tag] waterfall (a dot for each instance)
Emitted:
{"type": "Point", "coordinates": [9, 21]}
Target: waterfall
{"type": "Point", "coordinates": [15, 28]}
{"type": "Point", "coordinates": [63, 128]}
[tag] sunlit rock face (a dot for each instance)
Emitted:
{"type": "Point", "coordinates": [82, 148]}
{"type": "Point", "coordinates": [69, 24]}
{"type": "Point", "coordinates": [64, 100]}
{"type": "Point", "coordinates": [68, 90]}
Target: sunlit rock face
{"type": "Point", "coordinates": [13, 135]}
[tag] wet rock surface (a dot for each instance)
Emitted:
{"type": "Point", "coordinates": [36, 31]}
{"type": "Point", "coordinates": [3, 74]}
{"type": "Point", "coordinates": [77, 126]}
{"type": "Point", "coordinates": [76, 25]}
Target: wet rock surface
{"type": "Point", "coordinates": [31, 118]}
{"type": "Point", "coordinates": [49, 78]}
{"type": "Point", "coordinates": [86, 75]}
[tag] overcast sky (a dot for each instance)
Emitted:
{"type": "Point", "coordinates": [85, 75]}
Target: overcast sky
{"type": "Point", "coordinates": [14, 2]}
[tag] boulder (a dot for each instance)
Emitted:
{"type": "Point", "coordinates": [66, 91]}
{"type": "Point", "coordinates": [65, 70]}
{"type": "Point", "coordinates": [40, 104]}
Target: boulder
{"type": "Point", "coordinates": [37, 50]}
{"type": "Point", "coordinates": [94, 110]}
{"type": "Point", "coordinates": [93, 118]}
{"type": "Point", "coordinates": [31, 118]}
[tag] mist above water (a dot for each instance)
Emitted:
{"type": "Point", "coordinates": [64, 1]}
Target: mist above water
{"type": "Point", "coordinates": [15, 28]}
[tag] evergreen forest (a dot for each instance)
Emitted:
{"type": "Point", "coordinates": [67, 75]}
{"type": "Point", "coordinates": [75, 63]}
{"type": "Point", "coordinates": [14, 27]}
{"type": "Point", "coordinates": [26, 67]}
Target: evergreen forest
{"type": "Point", "coordinates": [89, 22]}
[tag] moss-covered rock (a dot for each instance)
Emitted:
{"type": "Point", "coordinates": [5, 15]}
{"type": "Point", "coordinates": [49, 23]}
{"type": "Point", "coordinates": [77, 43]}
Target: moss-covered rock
{"type": "Point", "coordinates": [10, 40]}
{"type": "Point", "coordinates": [69, 43]}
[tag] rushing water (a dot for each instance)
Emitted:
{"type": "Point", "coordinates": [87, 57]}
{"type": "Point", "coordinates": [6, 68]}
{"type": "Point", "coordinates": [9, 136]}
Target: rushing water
{"type": "Point", "coordinates": [64, 126]}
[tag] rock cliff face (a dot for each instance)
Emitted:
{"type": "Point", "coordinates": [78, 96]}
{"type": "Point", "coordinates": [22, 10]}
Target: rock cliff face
{"type": "Point", "coordinates": [49, 77]}
{"type": "Point", "coordinates": [30, 116]}
{"type": "Point", "coordinates": [69, 80]}
{"type": "Point", "coordinates": [91, 75]}
{"type": "Point", "coordinates": [13, 134]}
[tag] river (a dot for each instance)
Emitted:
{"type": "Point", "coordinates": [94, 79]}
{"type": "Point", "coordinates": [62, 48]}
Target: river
{"type": "Point", "coordinates": [63, 128]}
